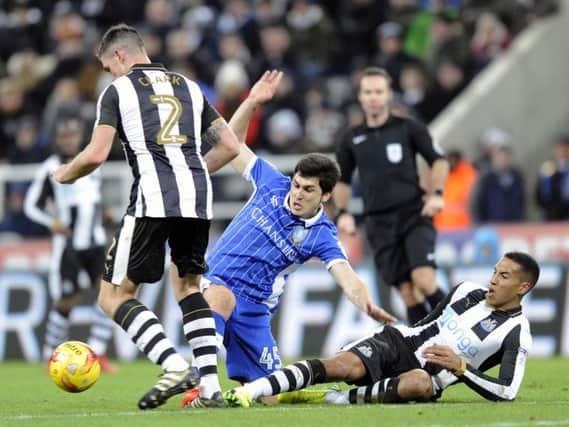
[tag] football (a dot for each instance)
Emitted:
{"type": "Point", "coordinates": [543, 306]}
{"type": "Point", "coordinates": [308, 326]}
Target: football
{"type": "Point", "coordinates": [74, 366]}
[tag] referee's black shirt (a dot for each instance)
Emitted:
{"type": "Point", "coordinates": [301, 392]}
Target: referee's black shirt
{"type": "Point", "coordinates": [386, 159]}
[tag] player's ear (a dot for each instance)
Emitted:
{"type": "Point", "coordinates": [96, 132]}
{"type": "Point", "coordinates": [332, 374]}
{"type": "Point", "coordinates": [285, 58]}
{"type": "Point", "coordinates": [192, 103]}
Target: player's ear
{"type": "Point", "coordinates": [524, 288]}
{"type": "Point", "coordinates": [326, 196]}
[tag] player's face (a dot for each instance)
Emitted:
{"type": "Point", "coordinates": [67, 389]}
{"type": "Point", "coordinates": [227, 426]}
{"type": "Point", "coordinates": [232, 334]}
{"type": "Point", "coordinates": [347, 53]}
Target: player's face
{"type": "Point", "coordinates": [306, 196]}
{"type": "Point", "coordinates": [374, 95]}
{"type": "Point", "coordinates": [114, 62]}
{"type": "Point", "coordinates": [506, 285]}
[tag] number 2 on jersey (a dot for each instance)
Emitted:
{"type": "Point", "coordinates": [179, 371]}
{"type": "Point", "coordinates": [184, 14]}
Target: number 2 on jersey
{"type": "Point", "coordinates": [165, 135]}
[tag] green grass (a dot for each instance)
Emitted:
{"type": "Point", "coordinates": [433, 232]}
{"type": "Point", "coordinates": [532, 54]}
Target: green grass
{"type": "Point", "coordinates": [28, 398]}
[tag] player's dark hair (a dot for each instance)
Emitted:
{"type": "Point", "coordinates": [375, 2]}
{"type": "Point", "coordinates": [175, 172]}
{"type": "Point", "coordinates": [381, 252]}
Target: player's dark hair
{"type": "Point", "coordinates": [374, 71]}
{"type": "Point", "coordinates": [123, 36]}
{"type": "Point", "coordinates": [316, 165]}
{"type": "Point", "coordinates": [529, 266]}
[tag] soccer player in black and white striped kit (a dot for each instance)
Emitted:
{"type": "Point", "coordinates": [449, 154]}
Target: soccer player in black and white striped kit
{"type": "Point", "coordinates": [162, 119]}
{"type": "Point", "coordinates": [472, 330]}
{"type": "Point", "coordinates": [75, 220]}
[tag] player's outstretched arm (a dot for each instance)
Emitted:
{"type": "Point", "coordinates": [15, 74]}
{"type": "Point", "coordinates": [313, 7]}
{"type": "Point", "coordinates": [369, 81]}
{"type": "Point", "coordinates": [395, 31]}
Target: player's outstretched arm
{"type": "Point", "coordinates": [262, 91]}
{"type": "Point", "coordinates": [92, 156]}
{"type": "Point", "coordinates": [357, 293]}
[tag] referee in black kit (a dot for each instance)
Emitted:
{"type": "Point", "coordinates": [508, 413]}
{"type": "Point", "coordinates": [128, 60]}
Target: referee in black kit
{"type": "Point", "coordinates": [162, 119]}
{"type": "Point", "coordinates": [398, 213]}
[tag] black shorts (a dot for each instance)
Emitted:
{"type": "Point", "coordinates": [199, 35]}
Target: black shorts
{"type": "Point", "coordinates": [73, 261]}
{"type": "Point", "coordinates": [138, 248]}
{"type": "Point", "coordinates": [400, 242]}
{"type": "Point", "coordinates": [384, 354]}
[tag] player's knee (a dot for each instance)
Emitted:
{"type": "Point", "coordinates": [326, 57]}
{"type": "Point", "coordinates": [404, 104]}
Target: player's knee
{"type": "Point", "coordinates": [419, 384]}
{"type": "Point", "coordinates": [345, 366]}
{"type": "Point", "coordinates": [220, 299]}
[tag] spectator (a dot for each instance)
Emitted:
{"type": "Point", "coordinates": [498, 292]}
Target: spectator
{"type": "Point", "coordinates": [448, 40]}
{"type": "Point", "coordinates": [15, 220]}
{"type": "Point", "coordinates": [357, 22]}
{"type": "Point", "coordinates": [283, 131]}
{"type": "Point", "coordinates": [390, 55]}
{"type": "Point", "coordinates": [449, 82]}
{"type": "Point", "coordinates": [403, 12]}
{"type": "Point", "coordinates": [237, 17]}
{"type": "Point", "coordinates": [552, 192]}
{"type": "Point", "coordinates": [413, 82]}
{"type": "Point", "coordinates": [311, 37]}
{"type": "Point", "coordinates": [231, 87]}
{"type": "Point", "coordinates": [13, 106]}
{"type": "Point", "coordinates": [26, 148]}
{"type": "Point", "coordinates": [455, 216]}
{"type": "Point", "coordinates": [160, 17]}
{"type": "Point", "coordinates": [489, 40]}
{"type": "Point", "coordinates": [276, 52]}
{"type": "Point", "coordinates": [490, 138]}
{"type": "Point", "coordinates": [418, 37]}
{"type": "Point", "coordinates": [498, 195]}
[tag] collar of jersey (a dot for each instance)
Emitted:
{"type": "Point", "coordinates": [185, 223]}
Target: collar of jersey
{"type": "Point", "coordinates": [367, 128]}
{"type": "Point", "coordinates": [512, 312]}
{"type": "Point", "coordinates": [308, 222]}
{"type": "Point", "coordinates": [150, 66]}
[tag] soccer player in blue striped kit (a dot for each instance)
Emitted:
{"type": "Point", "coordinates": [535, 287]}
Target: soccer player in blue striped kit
{"type": "Point", "coordinates": [282, 226]}
{"type": "Point", "coordinates": [162, 118]}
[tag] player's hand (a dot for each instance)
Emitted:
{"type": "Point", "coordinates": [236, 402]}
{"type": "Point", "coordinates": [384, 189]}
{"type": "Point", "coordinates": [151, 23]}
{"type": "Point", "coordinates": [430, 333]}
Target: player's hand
{"type": "Point", "coordinates": [346, 224]}
{"type": "Point", "coordinates": [381, 315]}
{"type": "Point", "coordinates": [264, 89]}
{"type": "Point", "coordinates": [433, 205]}
{"type": "Point", "coordinates": [60, 174]}
{"type": "Point", "coordinates": [443, 356]}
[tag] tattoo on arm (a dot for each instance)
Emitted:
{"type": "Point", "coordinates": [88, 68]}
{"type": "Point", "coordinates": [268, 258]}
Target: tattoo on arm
{"type": "Point", "coordinates": [211, 135]}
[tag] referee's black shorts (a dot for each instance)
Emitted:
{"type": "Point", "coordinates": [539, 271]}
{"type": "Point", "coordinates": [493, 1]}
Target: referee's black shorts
{"type": "Point", "coordinates": [401, 240]}
{"type": "Point", "coordinates": [138, 248]}
{"type": "Point", "coordinates": [384, 354]}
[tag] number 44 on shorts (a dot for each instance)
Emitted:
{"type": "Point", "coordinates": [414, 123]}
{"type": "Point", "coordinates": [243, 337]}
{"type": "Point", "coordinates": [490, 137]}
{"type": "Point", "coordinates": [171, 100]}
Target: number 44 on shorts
{"type": "Point", "coordinates": [271, 358]}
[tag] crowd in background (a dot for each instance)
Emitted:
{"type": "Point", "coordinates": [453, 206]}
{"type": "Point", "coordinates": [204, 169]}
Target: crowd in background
{"type": "Point", "coordinates": [431, 48]}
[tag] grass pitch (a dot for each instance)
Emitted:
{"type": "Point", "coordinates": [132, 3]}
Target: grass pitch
{"type": "Point", "coordinates": [28, 398]}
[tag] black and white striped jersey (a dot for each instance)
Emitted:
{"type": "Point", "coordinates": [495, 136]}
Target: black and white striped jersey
{"type": "Point", "coordinates": [485, 337]}
{"type": "Point", "coordinates": [160, 117]}
{"type": "Point", "coordinates": [77, 206]}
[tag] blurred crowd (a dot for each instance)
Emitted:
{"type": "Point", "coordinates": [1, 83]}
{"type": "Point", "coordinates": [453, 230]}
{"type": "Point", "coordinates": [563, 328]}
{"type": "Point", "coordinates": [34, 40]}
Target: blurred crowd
{"type": "Point", "coordinates": [431, 48]}
{"type": "Point", "coordinates": [493, 189]}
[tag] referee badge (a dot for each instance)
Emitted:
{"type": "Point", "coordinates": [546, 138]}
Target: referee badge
{"type": "Point", "coordinates": [299, 233]}
{"type": "Point", "coordinates": [394, 152]}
